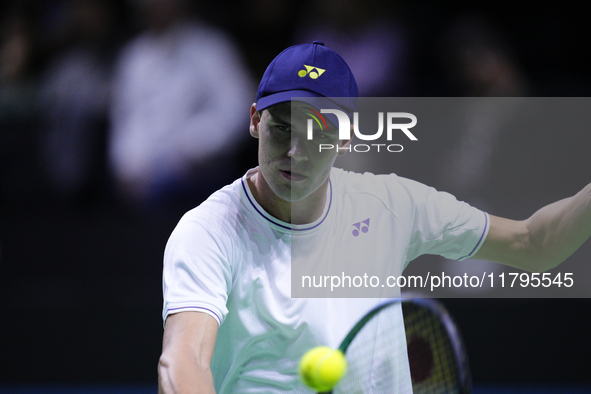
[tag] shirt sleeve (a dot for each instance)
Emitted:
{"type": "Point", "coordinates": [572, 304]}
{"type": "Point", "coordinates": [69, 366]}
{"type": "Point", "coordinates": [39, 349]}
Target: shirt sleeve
{"type": "Point", "coordinates": [197, 272]}
{"type": "Point", "coordinates": [440, 224]}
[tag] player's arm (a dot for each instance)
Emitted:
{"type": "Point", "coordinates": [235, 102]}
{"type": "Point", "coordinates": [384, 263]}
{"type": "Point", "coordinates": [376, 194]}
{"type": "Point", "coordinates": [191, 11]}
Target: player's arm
{"type": "Point", "coordinates": [544, 240]}
{"type": "Point", "coordinates": [187, 348]}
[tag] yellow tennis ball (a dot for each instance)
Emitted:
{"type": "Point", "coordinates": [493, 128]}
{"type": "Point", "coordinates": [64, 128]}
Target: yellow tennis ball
{"type": "Point", "coordinates": [322, 367]}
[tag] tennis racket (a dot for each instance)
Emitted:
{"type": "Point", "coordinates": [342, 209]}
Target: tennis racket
{"type": "Point", "coordinates": [375, 350]}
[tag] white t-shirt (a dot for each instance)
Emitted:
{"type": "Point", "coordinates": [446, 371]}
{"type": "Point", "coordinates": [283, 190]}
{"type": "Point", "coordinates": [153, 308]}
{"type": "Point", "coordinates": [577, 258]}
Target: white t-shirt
{"type": "Point", "coordinates": [232, 260]}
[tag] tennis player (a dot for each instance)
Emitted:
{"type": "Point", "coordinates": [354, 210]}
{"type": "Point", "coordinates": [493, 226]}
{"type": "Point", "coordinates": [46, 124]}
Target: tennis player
{"type": "Point", "coordinates": [231, 325]}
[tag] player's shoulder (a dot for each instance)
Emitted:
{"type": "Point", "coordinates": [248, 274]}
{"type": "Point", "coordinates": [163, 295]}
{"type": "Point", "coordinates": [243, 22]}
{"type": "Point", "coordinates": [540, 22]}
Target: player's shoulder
{"type": "Point", "coordinates": [380, 185]}
{"type": "Point", "coordinates": [221, 207]}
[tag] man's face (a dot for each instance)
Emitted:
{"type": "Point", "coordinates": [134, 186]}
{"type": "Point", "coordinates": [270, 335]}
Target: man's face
{"type": "Point", "coordinates": [292, 165]}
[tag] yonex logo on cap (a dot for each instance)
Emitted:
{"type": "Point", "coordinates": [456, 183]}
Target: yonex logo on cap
{"type": "Point", "coordinates": [309, 71]}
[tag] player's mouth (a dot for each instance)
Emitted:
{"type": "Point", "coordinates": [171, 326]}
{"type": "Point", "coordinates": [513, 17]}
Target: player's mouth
{"type": "Point", "coordinates": [292, 176]}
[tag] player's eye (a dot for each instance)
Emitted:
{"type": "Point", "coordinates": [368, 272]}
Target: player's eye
{"type": "Point", "coordinates": [323, 137]}
{"type": "Point", "coordinates": [282, 128]}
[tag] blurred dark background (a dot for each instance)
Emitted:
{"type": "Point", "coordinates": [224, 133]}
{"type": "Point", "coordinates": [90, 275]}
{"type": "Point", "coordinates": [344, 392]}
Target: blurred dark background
{"type": "Point", "coordinates": [90, 190]}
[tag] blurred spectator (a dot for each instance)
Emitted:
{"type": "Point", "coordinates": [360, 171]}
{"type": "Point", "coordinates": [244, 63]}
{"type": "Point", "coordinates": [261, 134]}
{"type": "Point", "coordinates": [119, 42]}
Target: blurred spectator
{"type": "Point", "coordinates": [478, 60]}
{"type": "Point", "coordinates": [368, 35]}
{"type": "Point", "coordinates": [18, 84]}
{"type": "Point", "coordinates": [180, 108]}
{"type": "Point", "coordinates": [75, 95]}
{"type": "Point", "coordinates": [17, 48]}
{"type": "Point", "coordinates": [479, 63]}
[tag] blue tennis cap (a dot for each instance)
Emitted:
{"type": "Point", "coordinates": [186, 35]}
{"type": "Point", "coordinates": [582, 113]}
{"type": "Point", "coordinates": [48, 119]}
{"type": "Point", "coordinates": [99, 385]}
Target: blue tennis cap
{"type": "Point", "coordinates": [308, 71]}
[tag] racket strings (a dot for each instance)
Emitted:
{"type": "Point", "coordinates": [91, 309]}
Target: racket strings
{"type": "Point", "coordinates": [377, 356]}
{"type": "Point", "coordinates": [415, 335]}
{"type": "Point", "coordinates": [431, 353]}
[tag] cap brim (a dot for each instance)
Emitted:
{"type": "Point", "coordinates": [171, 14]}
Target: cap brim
{"type": "Point", "coordinates": [345, 104]}
{"type": "Point", "coordinates": [282, 97]}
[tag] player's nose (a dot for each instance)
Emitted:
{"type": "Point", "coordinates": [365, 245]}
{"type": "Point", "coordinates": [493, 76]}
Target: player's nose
{"type": "Point", "coordinates": [298, 150]}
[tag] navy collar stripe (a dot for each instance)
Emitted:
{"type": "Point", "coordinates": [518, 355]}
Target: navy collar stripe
{"type": "Point", "coordinates": [284, 226]}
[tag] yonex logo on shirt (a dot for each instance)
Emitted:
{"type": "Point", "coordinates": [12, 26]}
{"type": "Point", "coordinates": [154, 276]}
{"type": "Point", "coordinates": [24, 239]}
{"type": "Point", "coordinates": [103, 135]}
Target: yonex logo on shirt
{"type": "Point", "coordinates": [309, 71]}
{"type": "Point", "coordinates": [361, 226]}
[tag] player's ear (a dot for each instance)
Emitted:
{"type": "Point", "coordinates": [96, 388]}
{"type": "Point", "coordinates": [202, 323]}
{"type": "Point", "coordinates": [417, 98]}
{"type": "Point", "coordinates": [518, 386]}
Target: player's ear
{"type": "Point", "coordinates": [344, 144]}
{"type": "Point", "coordinates": [255, 119]}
